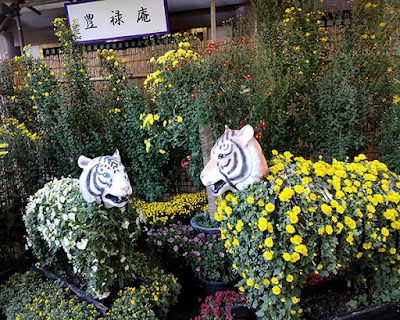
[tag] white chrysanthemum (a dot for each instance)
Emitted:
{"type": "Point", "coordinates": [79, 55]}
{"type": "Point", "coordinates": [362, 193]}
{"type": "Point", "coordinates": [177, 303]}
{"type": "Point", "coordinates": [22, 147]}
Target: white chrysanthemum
{"type": "Point", "coordinates": [82, 244]}
{"type": "Point", "coordinates": [125, 225]}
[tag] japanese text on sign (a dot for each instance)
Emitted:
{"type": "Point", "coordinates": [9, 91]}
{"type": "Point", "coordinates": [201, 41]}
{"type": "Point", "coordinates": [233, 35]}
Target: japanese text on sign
{"type": "Point", "coordinates": [116, 19]}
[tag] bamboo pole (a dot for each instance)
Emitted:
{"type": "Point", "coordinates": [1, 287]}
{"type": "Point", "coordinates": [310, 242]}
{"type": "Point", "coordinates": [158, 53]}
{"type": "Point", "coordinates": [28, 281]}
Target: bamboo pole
{"type": "Point", "coordinates": [206, 143]}
{"type": "Point", "coordinates": [205, 132]}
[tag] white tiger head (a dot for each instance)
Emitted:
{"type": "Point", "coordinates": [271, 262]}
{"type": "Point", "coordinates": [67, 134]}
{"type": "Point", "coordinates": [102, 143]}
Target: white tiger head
{"type": "Point", "coordinates": [236, 162]}
{"type": "Point", "coordinates": [104, 180]}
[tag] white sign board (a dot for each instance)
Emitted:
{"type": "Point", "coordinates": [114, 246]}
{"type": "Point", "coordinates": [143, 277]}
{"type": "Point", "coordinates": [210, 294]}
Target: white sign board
{"type": "Point", "coordinates": [118, 19]}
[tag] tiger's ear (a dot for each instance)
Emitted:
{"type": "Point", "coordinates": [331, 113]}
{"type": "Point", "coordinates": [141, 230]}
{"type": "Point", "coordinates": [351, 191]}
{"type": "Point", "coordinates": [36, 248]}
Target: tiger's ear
{"type": "Point", "coordinates": [116, 155]}
{"type": "Point", "coordinates": [245, 134]}
{"type": "Point", "coordinates": [84, 162]}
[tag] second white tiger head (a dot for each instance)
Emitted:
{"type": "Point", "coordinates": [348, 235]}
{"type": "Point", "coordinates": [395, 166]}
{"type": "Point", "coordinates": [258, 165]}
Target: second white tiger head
{"type": "Point", "coordinates": [104, 180]}
{"type": "Point", "coordinates": [236, 162]}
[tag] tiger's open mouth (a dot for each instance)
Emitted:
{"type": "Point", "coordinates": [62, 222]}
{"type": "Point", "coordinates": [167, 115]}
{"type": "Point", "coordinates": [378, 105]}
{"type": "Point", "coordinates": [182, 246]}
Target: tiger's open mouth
{"type": "Point", "coordinates": [116, 199]}
{"type": "Point", "coordinates": [217, 186]}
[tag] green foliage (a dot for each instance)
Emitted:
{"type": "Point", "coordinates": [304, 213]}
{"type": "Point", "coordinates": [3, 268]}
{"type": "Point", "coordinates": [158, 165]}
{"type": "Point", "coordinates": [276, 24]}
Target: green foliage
{"type": "Point", "coordinates": [28, 296]}
{"type": "Point", "coordinates": [332, 83]}
{"type": "Point", "coordinates": [390, 121]}
{"type": "Point", "coordinates": [193, 86]}
{"type": "Point", "coordinates": [69, 113]}
{"type": "Point", "coordinates": [326, 216]}
{"type": "Point", "coordinates": [21, 174]}
{"type": "Point", "coordinates": [127, 109]}
{"type": "Point", "coordinates": [74, 119]}
{"type": "Point", "coordinates": [99, 244]}
{"type": "Point", "coordinates": [358, 302]}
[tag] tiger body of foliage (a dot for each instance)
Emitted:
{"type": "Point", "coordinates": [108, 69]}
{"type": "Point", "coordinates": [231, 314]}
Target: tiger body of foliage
{"type": "Point", "coordinates": [306, 218]}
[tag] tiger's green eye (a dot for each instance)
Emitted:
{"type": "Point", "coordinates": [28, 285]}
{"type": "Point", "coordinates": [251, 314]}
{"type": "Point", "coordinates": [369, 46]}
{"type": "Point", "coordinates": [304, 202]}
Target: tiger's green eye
{"type": "Point", "coordinates": [106, 175]}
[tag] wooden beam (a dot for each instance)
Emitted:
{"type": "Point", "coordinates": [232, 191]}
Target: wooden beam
{"type": "Point", "coordinates": [39, 3]}
{"type": "Point", "coordinates": [32, 3]}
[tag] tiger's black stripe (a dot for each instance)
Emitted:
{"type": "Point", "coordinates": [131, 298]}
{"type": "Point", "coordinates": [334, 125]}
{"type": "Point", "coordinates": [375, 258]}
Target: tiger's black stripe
{"type": "Point", "coordinates": [93, 172]}
{"type": "Point", "coordinates": [235, 163]}
{"type": "Point", "coordinates": [244, 167]}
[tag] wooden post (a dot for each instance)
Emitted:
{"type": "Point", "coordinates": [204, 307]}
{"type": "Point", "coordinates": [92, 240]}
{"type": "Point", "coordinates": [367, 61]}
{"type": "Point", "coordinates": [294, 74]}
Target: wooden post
{"type": "Point", "coordinates": [213, 21]}
{"type": "Point", "coordinates": [20, 34]}
{"type": "Point", "coordinates": [205, 132]}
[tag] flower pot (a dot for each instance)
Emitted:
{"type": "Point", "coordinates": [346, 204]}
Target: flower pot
{"type": "Point", "coordinates": [384, 310]}
{"type": "Point", "coordinates": [200, 229]}
{"type": "Point", "coordinates": [6, 273]}
{"type": "Point", "coordinates": [190, 287]}
{"type": "Point", "coordinates": [241, 311]}
{"type": "Point", "coordinates": [212, 287]}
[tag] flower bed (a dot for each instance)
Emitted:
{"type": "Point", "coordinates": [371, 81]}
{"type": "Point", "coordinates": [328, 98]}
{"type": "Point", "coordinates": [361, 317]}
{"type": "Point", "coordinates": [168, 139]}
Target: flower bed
{"type": "Point", "coordinates": [28, 296]}
{"type": "Point", "coordinates": [179, 207]}
{"type": "Point", "coordinates": [329, 216]}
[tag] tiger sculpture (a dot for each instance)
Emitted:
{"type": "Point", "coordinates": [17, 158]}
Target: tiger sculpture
{"type": "Point", "coordinates": [104, 180]}
{"type": "Point", "coordinates": [236, 162]}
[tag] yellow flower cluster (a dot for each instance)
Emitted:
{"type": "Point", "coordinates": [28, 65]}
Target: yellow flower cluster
{"type": "Point", "coordinates": [3, 146]}
{"type": "Point", "coordinates": [131, 304]}
{"type": "Point", "coordinates": [172, 59]}
{"type": "Point", "coordinates": [184, 205]}
{"type": "Point", "coordinates": [18, 129]}
{"type": "Point", "coordinates": [148, 120]}
{"type": "Point", "coordinates": [349, 195]}
{"type": "Point", "coordinates": [350, 208]}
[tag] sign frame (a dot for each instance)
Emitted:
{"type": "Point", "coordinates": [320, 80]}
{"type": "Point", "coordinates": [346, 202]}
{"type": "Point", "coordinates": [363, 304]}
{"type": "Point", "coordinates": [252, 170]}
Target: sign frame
{"type": "Point", "coordinates": [125, 36]}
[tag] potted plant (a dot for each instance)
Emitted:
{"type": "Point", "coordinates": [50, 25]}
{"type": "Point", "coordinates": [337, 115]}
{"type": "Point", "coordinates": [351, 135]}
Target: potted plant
{"type": "Point", "coordinates": [204, 253]}
{"type": "Point", "coordinates": [201, 223]}
{"type": "Point", "coordinates": [218, 306]}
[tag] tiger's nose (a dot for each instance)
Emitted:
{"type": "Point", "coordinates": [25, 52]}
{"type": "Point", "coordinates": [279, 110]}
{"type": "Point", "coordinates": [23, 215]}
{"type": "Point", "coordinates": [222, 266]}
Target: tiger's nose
{"type": "Point", "coordinates": [125, 189]}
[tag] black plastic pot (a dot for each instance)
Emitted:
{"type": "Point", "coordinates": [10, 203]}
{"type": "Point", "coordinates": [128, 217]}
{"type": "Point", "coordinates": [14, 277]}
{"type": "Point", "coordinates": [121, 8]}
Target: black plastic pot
{"type": "Point", "coordinates": [241, 311]}
{"type": "Point", "coordinates": [212, 287]}
{"type": "Point", "coordinates": [200, 229]}
{"type": "Point", "coordinates": [379, 311]}
{"type": "Point", "coordinates": [6, 273]}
